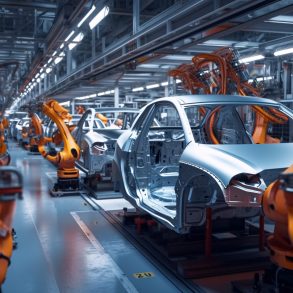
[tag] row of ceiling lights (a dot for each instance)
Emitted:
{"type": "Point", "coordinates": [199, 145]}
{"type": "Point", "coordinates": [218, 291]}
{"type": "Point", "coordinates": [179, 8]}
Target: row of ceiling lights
{"type": "Point", "coordinates": [59, 54]}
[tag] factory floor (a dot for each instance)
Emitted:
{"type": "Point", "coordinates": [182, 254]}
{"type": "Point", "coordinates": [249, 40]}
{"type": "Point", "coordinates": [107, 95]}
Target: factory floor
{"type": "Point", "coordinates": [63, 245]}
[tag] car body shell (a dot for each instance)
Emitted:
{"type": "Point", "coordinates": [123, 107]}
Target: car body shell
{"type": "Point", "coordinates": [198, 175]}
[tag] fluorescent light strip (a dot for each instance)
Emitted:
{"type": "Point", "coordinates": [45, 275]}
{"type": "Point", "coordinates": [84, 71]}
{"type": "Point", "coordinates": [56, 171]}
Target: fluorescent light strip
{"type": "Point", "coordinates": [86, 16]}
{"type": "Point", "coordinates": [61, 46]}
{"type": "Point", "coordinates": [69, 36]}
{"type": "Point", "coordinates": [99, 17]}
{"type": "Point", "coordinates": [138, 89]}
{"type": "Point", "coordinates": [48, 70]}
{"type": "Point", "coordinates": [76, 40]}
{"type": "Point", "coordinates": [251, 58]}
{"type": "Point", "coordinates": [165, 83]}
{"type": "Point", "coordinates": [283, 52]}
{"type": "Point", "coordinates": [101, 94]}
{"type": "Point", "coordinates": [152, 86]}
{"type": "Point", "coordinates": [58, 60]}
{"type": "Point", "coordinates": [54, 53]}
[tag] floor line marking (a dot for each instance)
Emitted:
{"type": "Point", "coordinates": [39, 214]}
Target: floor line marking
{"type": "Point", "coordinates": [128, 286]}
{"type": "Point", "coordinates": [53, 286]}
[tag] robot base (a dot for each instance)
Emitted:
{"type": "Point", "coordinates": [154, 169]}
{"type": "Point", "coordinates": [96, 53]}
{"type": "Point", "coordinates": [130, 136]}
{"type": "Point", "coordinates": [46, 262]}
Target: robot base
{"type": "Point", "coordinates": [66, 186]}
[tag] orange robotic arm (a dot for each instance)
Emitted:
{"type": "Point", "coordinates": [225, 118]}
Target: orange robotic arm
{"type": "Point", "coordinates": [4, 155]}
{"type": "Point", "coordinates": [65, 160]}
{"type": "Point", "coordinates": [278, 207]}
{"type": "Point", "coordinates": [10, 190]}
{"type": "Point", "coordinates": [71, 151]}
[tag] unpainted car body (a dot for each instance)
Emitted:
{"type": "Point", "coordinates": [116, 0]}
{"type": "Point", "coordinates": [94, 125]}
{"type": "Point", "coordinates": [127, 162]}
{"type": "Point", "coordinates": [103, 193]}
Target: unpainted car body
{"type": "Point", "coordinates": [97, 143]}
{"type": "Point", "coordinates": [168, 167]}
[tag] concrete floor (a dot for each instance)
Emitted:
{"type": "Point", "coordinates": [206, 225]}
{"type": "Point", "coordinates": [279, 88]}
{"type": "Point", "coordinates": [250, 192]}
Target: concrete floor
{"type": "Point", "coordinates": [65, 246]}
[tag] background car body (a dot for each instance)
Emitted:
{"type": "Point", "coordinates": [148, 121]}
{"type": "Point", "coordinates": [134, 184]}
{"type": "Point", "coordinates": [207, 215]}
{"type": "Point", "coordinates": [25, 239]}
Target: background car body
{"type": "Point", "coordinates": [169, 168]}
{"type": "Point", "coordinates": [98, 143]}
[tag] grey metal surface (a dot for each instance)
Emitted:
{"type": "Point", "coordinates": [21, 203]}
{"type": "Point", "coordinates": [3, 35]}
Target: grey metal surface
{"type": "Point", "coordinates": [65, 246]}
{"type": "Point", "coordinates": [168, 172]}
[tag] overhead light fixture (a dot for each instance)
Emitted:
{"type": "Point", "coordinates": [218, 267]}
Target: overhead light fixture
{"type": "Point", "coordinates": [37, 75]}
{"type": "Point", "coordinates": [54, 53]}
{"type": "Point", "coordinates": [152, 86]}
{"type": "Point", "coordinates": [49, 61]}
{"type": "Point", "coordinates": [43, 75]}
{"type": "Point", "coordinates": [38, 79]}
{"type": "Point", "coordinates": [48, 70]}
{"type": "Point", "coordinates": [178, 57]}
{"type": "Point", "coordinates": [165, 83]}
{"type": "Point", "coordinates": [86, 16]}
{"type": "Point", "coordinates": [61, 46]}
{"type": "Point", "coordinates": [251, 58]}
{"type": "Point", "coordinates": [283, 52]}
{"type": "Point", "coordinates": [178, 81]}
{"type": "Point", "coordinates": [67, 103]}
{"type": "Point", "coordinates": [58, 60]}
{"type": "Point", "coordinates": [76, 40]}
{"type": "Point", "coordinates": [42, 69]}
{"type": "Point", "coordinates": [92, 95]}
{"type": "Point", "coordinates": [138, 89]}
{"type": "Point", "coordinates": [69, 36]}
{"type": "Point", "coordinates": [101, 94]}
{"type": "Point", "coordinates": [99, 17]}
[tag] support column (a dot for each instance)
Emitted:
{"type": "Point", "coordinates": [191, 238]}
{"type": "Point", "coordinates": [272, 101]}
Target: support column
{"type": "Point", "coordinates": [94, 42]}
{"type": "Point", "coordinates": [135, 16]}
{"type": "Point", "coordinates": [73, 106]}
{"type": "Point", "coordinates": [116, 97]}
{"type": "Point", "coordinates": [68, 62]}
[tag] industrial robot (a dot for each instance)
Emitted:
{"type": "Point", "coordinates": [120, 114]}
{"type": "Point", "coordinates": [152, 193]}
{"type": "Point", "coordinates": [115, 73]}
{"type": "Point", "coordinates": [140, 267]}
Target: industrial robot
{"type": "Point", "coordinates": [67, 174]}
{"type": "Point", "coordinates": [221, 73]}
{"type": "Point", "coordinates": [278, 207]}
{"type": "Point", "coordinates": [4, 155]}
{"type": "Point", "coordinates": [10, 190]}
{"type": "Point", "coordinates": [34, 133]}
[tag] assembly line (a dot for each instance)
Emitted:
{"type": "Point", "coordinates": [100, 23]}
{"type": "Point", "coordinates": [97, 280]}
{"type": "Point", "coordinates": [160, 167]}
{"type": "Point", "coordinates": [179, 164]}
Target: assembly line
{"type": "Point", "coordinates": [145, 146]}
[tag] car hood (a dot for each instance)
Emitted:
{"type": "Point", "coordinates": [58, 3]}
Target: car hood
{"type": "Point", "coordinates": [226, 161]}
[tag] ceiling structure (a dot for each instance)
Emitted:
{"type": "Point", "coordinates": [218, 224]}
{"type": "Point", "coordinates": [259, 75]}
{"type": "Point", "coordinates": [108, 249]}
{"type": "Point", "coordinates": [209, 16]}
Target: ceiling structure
{"type": "Point", "coordinates": [133, 46]}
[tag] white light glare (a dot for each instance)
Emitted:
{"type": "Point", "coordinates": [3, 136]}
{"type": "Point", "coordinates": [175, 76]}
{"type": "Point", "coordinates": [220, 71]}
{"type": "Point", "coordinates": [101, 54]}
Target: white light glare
{"type": "Point", "coordinates": [99, 17]}
{"type": "Point", "coordinates": [101, 94]}
{"type": "Point", "coordinates": [67, 103]}
{"type": "Point", "coordinates": [152, 86]}
{"type": "Point", "coordinates": [251, 58]}
{"type": "Point", "coordinates": [86, 16]}
{"type": "Point", "coordinates": [178, 81]}
{"type": "Point", "coordinates": [38, 79]}
{"type": "Point", "coordinates": [54, 53]}
{"type": "Point", "coordinates": [283, 52]}
{"type": "Point", "coordinates": [48, 70]}
{"type": "Point", "coordinates": [92, 95]}
{"type": "Point", "coordinates": [49, 61]}
{"type": "Point", "coordinates": [138, 89]}
{"type": "Point", "coordinates": [69, 36]}
{"type": "Point", "coordinates": [61, 46]}
{"type": "Point", "coordinates": [165, 83]}
{"type": "Point", "coordinates": [76, 40]}
{"type": "Point", "coordinates": [59, 59]}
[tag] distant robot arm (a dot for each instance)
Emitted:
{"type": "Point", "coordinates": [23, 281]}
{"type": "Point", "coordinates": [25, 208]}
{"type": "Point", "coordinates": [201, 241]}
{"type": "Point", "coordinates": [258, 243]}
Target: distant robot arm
{"type": "Point", "coordinates": [65, 159]}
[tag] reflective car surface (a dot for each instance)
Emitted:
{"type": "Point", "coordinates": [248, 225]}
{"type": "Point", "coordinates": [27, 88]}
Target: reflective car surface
{"type": "Point", "coordinates": [186, 153]}
{"type": "Point", "coordinates": [97, 143]}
